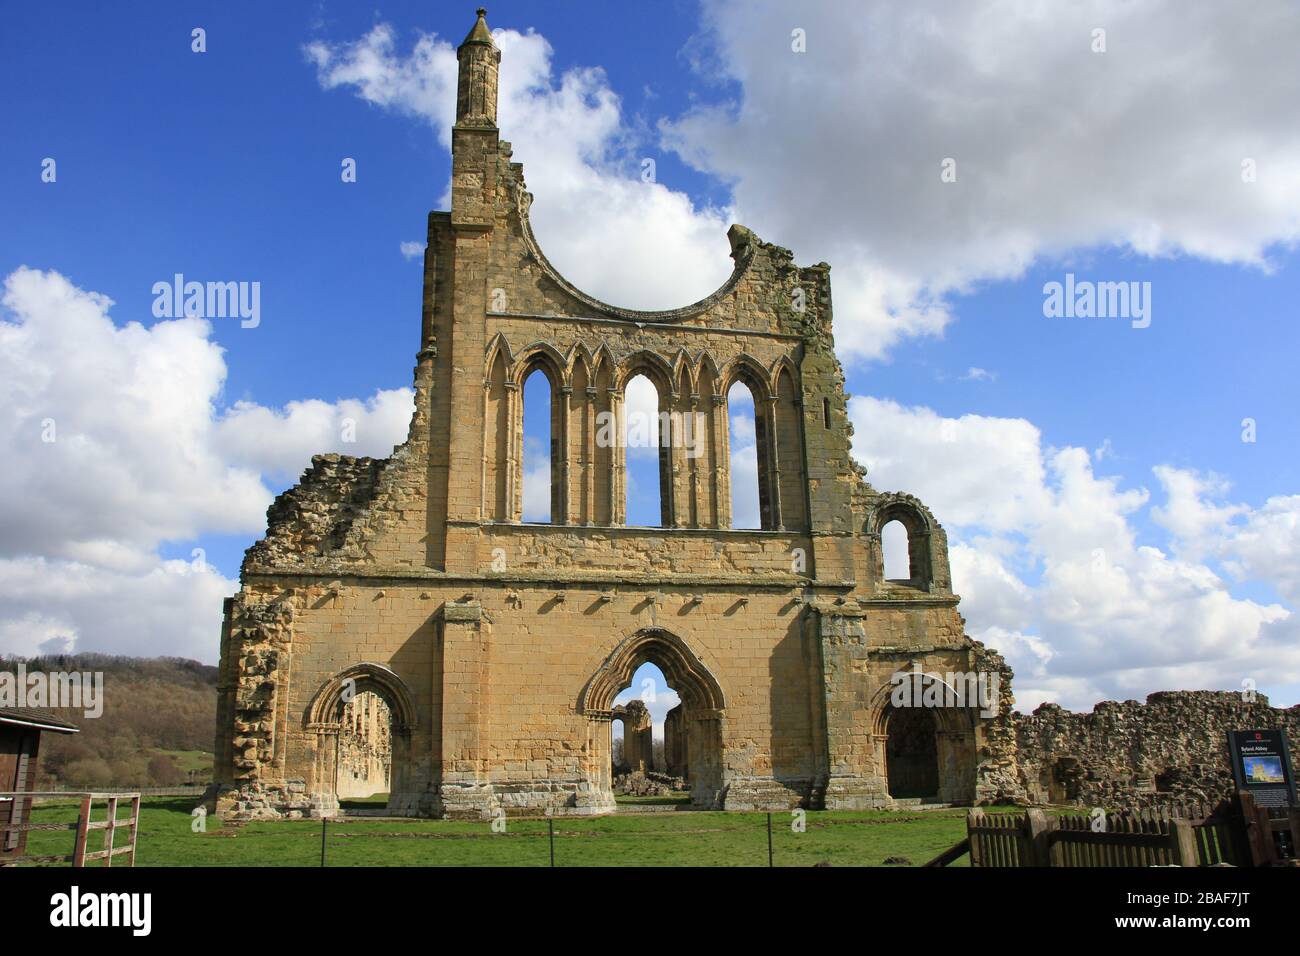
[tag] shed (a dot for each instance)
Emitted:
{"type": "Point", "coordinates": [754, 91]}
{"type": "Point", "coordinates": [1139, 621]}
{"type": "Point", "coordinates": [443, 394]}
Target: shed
{"type": "Point", "coordinates": [20, 739]}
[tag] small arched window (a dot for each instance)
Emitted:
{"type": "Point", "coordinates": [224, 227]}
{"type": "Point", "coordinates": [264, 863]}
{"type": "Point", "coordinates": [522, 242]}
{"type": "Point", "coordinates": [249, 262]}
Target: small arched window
{"type": "Point", "coordinates": [894, 552]}
{"type": "Point", "coordinates": [904, 541]}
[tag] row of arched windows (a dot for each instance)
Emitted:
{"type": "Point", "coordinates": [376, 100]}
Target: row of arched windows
{"type": "Point", "coordinates": [577, 449]}
{"type": "Point", "coordinates": [642, 443]}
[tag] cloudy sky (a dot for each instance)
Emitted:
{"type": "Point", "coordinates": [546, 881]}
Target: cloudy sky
{"type": "Point", "coordinates": [1121, 500]}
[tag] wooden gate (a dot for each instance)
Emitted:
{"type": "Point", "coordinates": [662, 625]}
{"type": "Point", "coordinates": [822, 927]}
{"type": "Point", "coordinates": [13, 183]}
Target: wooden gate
{"type": "Point", "coordinates": [81, 854]}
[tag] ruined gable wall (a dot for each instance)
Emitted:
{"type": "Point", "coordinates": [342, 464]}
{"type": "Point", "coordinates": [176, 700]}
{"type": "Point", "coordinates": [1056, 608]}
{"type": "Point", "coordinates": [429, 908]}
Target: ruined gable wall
{"type": "Point", "coordinates": [313, 517]}
{"type": "Point", "coordinates": [372, 556]}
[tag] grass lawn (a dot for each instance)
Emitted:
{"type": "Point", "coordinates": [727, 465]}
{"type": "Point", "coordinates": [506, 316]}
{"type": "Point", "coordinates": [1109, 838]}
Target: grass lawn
{"type": "Point", "coordinates": [187, 760]}
{"type": "Point", "coordinates": [376, 801]}
{"type": "Point", "coordinates": [672, 800]}
{"type": "Point", "coordinates": [639, 839]}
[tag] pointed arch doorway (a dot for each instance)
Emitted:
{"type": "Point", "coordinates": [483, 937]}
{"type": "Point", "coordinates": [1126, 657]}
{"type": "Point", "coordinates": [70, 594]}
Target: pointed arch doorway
{"type": "Point", "coordinates": [701, 712]}
{"type": "Point", "coordinates": [346, 715]}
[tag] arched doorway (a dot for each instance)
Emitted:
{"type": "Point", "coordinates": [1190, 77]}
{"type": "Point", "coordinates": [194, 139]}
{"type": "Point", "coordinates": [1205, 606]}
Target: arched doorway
{"type": "Point", "coordinates": [362, 720]}
{"type": "Point", "coordinates": [911, 753]}
{"type": "Point", "coordinates": [697, 724]}
{"type": "Point", "coordinates": [363, 767]}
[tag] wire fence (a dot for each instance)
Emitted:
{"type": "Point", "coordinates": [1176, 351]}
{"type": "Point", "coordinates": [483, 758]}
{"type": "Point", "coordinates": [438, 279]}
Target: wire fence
{"type": "Point", "coordinates": [183, 790]}
{"type": "Point", "coordinates": [637, 839]}
{"type": "Point", "coordinates": [175, 832]}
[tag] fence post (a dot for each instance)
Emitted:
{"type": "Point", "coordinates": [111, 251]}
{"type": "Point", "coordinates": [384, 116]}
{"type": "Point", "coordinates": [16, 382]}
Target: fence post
{"type": "Point", "coordinates": [1258, 837]}
{"type": "Point", "coordinates": [135, 828]}
{"type": "Point", "coordinates": [110, 833]}
{"type": "Point", "coordinates": [973, 821]}
{"type": "Point", "coordinates": [1185, 843]}
{"type": "Point", "coordinates": [1036, 841]}
{"type": "Point", "coordinates": [83, 831]}
{"type": "Point", "coordinates": [769, 839]}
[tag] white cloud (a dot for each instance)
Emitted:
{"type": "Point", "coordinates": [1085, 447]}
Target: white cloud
{"type": "Point", "coordinates": [279, 443]}
{"type": "Point", "coordinates": [537, 480]}
{"type": "Point", "coordinates": [1253, 543]}
{"type": "Point", "coordinates": [631, 242]}
{"type": "Point", "coordinates": [115, 400]}
{"type": "Point", "coordinates": [141, 455]}
{"type": "Point", "coordinates": [641, 418]}
{"type": "Point", "coordinates": [1047, 556]}
{"type": "Point", "coordinates": [745, 511]}
{"type": "Point", "coordinates": [1266, 544]}
{"type": "Point", "coordinates": [412, 250]}
{"type": "Point", "coordinates": [836, 152]}
{"type": "Point", "coordinates": [893, 548]}
{"type": "Point", "coordinates": [173, 608]}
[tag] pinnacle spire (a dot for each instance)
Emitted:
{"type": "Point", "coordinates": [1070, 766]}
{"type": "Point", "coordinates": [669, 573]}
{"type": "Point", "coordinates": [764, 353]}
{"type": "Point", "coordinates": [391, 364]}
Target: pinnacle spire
{"type": "Point", "coordinates": [480, 33]}
{"type": "Point", "coordinates": [476, 84]}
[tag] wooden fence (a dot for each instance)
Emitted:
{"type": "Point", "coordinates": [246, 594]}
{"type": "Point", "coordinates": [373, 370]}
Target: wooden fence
{"type": "Point", "coordinates": [81, 854]}
{"type": "Point", "coordinates": [1138, 839]}
{"type": "Point", "coordinates": [1234, 831]}
{"type": "Point", "coordinates": [1269, 832]}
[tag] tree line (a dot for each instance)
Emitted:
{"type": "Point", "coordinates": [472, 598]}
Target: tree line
{"type": "Point", "coordinates": [156, 727]}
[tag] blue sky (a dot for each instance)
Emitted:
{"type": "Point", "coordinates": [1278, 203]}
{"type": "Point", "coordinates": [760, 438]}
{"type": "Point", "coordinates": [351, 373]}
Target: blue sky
{"type": "Point", "coordinates": [224, 165]}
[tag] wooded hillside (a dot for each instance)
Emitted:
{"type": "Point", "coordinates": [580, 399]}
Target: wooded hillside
{"type": "Point", "coordinates": [156, 726]}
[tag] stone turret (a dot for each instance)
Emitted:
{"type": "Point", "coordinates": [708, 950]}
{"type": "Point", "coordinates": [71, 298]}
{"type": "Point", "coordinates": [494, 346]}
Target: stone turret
{"type": "Point", "coordinates": [476, 84]}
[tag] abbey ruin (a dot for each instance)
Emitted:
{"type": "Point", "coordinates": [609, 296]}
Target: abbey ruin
{"type": "Point", "coordinates": [495, 647]}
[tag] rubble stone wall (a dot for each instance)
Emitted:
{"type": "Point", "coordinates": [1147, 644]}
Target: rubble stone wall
{"type": "Point", "coordinates": [1172, 746]}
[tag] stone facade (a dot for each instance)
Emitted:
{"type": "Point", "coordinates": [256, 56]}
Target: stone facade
{"type": "Point", "coordinates": [499, 646]}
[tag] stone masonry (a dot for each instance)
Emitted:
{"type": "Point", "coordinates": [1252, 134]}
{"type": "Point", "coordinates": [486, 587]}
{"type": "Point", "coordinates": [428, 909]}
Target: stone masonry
{"type": "Point", "coordinates": [499, 646]}
{"type": "Point", "coordinates": [1132, 754]}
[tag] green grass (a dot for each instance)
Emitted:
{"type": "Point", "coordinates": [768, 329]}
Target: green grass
{"type": "Point", "coordinates": [373, 802]}
{"type": "Point", "coordinates": [187, 760]}
{"type": "Point", "coordinates": [641, 839]}
{"type": "Point", "coordinates": [672, 800]}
